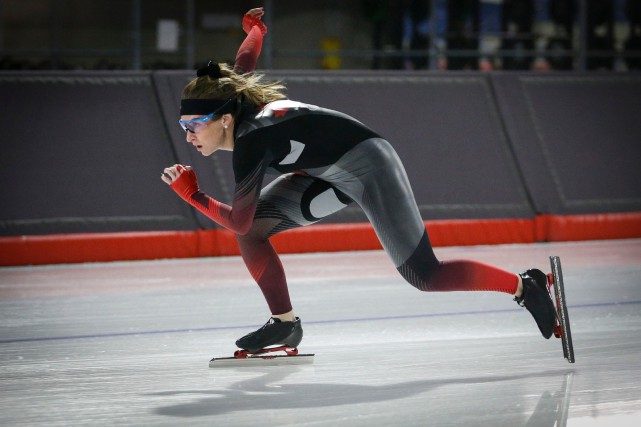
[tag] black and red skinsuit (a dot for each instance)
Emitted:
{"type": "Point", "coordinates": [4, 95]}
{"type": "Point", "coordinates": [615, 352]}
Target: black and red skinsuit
{"type": "Point", "coordinates": [326, 160]}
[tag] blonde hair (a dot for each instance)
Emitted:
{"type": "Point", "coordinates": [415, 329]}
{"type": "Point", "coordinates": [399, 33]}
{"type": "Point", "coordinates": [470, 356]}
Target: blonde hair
{"type": "Point", "coordinates": [231, 84]}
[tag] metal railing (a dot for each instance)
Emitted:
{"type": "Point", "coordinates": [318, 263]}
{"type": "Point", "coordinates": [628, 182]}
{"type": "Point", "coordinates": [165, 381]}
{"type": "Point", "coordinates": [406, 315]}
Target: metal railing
{"type": "Point", "coordinates": [579, 53]}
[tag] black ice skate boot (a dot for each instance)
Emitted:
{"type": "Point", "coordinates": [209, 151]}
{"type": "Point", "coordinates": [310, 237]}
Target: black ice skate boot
{"type": "Point", "coordinates": [273, 333]}
{"type": "Point", "coordinates": [536, 299]}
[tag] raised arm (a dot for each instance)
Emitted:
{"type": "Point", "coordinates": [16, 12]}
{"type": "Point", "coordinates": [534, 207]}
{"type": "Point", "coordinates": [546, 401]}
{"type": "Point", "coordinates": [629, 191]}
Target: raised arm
{"type": "Point", "coordinates": [250, 171]}
{"type": "Point", "coordinates": [249, 51]}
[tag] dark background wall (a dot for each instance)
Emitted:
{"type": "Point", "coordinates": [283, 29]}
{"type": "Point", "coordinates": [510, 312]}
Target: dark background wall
{"type": "Point", "coordinates": [577, 138]}
{"type": "Point", "coordinates": [83, 151]}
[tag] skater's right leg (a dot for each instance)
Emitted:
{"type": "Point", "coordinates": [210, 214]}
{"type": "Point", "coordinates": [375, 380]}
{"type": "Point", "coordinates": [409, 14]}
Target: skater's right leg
{"type": "Point", "coordinates": [373, 176]}
{"type": "Point", "coordinates": [426, 273]}
{"type": "Point", "coordinates": [529, 288]}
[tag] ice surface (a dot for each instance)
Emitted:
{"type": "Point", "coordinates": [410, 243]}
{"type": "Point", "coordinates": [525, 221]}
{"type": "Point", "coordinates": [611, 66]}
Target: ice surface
{"type": "Point", "coordinates": [130, 343]}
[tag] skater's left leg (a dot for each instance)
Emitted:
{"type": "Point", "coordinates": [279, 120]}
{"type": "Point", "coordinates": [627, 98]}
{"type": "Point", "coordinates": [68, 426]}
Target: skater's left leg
{"type": "Point", "coordinates": [289, 201]}
{"type": "Point", "coordinates": [263, 263]}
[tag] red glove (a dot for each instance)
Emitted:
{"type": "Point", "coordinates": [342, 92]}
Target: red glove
{"type": "Point", "coordinates": [250, 22]}
{"type": "Point", "coordinates": [186, 185]}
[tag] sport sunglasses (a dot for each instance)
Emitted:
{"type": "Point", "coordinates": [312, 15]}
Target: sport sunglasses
{"type": "Point", "coordinates": [196, 125]}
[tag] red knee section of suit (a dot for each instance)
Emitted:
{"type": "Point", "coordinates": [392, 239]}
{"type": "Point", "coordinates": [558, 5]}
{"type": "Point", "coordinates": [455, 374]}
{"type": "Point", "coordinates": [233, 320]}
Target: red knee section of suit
{"type": "Point", "coordinates": [466, 275]}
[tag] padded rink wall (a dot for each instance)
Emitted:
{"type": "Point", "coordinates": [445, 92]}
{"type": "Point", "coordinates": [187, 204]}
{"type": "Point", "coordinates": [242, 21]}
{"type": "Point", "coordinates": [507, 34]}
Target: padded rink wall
{"type": "Point", "coordinates": [493, 158]}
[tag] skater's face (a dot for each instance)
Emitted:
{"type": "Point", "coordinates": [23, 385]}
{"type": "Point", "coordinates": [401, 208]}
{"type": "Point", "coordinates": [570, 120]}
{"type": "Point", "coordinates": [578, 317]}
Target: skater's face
{"type": "Point", "coordinates": [209, 133]}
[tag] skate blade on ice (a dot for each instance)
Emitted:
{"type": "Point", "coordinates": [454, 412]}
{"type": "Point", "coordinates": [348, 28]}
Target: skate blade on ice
{"type": "Point", "coordinates": [562, 327]}
{"type": "Point", "coordinates": [264, 357]}
{"type": "Point", "coordinates": [274, 360]}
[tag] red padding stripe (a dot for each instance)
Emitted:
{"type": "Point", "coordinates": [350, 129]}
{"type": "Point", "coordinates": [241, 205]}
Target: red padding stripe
{"type": "Point", "coordinates": [73, 248]}
{"type": "Point", "coordinates": [562, 228]}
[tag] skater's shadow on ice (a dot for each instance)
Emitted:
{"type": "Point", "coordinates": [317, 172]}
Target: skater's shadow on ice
{"type": "Point", "coordinates": [268, 392]}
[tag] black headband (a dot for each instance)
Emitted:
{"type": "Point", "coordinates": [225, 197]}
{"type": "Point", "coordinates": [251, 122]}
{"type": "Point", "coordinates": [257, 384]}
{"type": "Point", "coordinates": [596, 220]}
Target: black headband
{"type": "Point", "coordinates": [198, 107]}
{"type": "Point", "coordinates": [202, 107]}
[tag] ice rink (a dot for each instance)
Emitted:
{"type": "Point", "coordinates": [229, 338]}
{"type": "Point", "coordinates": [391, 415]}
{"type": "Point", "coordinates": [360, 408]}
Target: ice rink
{"type": "Point", "coordinates": [129, 344]}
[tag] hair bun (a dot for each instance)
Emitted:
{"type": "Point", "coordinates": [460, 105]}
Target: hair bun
{"type": "Point", "coordinates": [212, 70]}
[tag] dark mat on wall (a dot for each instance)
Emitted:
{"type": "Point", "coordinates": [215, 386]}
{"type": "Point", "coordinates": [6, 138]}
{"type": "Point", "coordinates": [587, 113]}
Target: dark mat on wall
{"type": "Point", "coordinates": [83, 152]}
{"type": "Point", "coordinates": [577, 138]}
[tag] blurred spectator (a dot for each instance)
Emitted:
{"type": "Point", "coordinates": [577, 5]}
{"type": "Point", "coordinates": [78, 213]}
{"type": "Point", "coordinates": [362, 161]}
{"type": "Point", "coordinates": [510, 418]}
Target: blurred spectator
{"type": "Point", "coordinates": [633, 43]}
{"type": "Point", "coordinates": [416, 36]}
{"type": "Point", "coordinates": [417, 30]}
{"type": "Point", "coordinates": [600, 34]}
{"type": "Point", "coordinates": [518, 39]}
{"type": "Point", "coordinates": [559, 48]}
{"type": "Point", "coordinates": [386, 18]}
{"type": "Point", "coordinates": [463, 33]}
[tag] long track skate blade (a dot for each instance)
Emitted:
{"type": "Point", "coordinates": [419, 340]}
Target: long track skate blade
{"type": "Point", "coordinates": [273, 360]}
{"type": "Point", "coordinates": [562, 309]}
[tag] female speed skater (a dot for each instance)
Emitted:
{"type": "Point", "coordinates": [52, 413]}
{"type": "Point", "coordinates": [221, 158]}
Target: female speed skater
{"type": "Point", "coordinates": [234, 109]}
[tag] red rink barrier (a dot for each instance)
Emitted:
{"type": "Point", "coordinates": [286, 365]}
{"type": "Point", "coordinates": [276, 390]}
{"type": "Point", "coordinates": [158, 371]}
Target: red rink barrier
{"type": "Point", "coordinates": [562, 228]}
{"type": "Point", "coordinates": [100, 247]}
